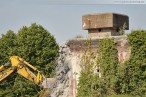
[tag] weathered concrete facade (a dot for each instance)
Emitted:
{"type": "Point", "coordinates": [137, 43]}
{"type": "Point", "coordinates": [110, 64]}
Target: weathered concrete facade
{"type": "Point", "coordinates": [77, 47]}
{"type": "Point", "coordinates": [104, 24]}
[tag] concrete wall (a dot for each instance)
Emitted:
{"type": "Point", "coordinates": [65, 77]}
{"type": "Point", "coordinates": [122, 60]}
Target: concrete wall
{"type": "Point", "coordinates": [78, 46]}
{"type": "Point", "coordinates": [68, 64]}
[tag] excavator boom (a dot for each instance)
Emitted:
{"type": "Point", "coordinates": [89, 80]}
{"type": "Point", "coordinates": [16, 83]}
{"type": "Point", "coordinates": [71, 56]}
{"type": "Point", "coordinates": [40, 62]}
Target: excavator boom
{"type": "Point", "coordinates": [26, 70]}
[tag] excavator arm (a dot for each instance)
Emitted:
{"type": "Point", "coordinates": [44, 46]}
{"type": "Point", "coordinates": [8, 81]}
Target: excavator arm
{"type": "Point", "coordinates": [24, 69]}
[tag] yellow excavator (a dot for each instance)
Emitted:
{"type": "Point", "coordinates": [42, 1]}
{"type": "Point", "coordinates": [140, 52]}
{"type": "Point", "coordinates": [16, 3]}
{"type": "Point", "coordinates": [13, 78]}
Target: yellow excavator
{"type": "Point", "coordinates": [20, 66]}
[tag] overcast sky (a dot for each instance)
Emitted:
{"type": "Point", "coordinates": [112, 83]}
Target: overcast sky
{"type": "Point", "coordinates": [63, 20]}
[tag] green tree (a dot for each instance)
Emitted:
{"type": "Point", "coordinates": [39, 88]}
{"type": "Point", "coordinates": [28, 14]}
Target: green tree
{"type": "Point", "coordinates": [128, 79]}
{"type": "Point", "coordinates": [7, 44]}
{"type": "Point", "coordinates": [135, 67]}
{"type": "Point", "coordinates": [87, 80]}
{"type": "Point", "coordinates": [35, 45]}
{"type": "Point", "coordinates": [91, 84]}
{"type": "Point", "coordinates": [108, 62]}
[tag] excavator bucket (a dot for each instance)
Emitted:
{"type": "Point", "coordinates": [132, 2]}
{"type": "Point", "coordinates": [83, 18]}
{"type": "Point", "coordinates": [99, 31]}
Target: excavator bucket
{"type": "Point", "coordinates": [45, 93]}
{"type": "Point", "coordinates": [48, 85]}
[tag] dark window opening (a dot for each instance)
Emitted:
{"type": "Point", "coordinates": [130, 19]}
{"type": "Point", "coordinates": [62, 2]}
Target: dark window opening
{"type": "Point", "coordinates": [117, 29]}
{"type": "Point", "coordinates": [97, 70]}
{"type": "Point", "coordinates": [99, 30]}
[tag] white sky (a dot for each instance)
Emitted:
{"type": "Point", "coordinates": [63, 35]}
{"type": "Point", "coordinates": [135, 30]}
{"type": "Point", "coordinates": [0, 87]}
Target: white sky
{"type": "Point", "coordinates": [63, 20]}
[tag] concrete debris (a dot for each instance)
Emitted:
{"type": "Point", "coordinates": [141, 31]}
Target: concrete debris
{"type": "Point", "coordinates": [63, 72]}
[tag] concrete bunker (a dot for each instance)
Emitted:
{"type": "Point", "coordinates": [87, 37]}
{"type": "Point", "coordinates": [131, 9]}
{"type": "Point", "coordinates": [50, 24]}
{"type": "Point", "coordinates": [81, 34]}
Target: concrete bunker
{"type": "Point", "coordinates": [104, 24]}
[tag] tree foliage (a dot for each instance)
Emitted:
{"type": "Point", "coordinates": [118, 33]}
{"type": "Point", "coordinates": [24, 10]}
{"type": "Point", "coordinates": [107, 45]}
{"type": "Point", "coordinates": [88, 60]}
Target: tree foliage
{"type": "Point", "coordinates": [7, 46]}
{"type": "Point", "coordinates": [35, 45]}
{"type": "Point", "coordinates": [135, 68]}
{"type": "Point", "coordinates": [127, 79]}
{"type": "Point", "coordinates": [7, 43]}
{"type": "Point", "coordinates": [108, 62]}
{"type": "Point", "coordinates": [93, 83]}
